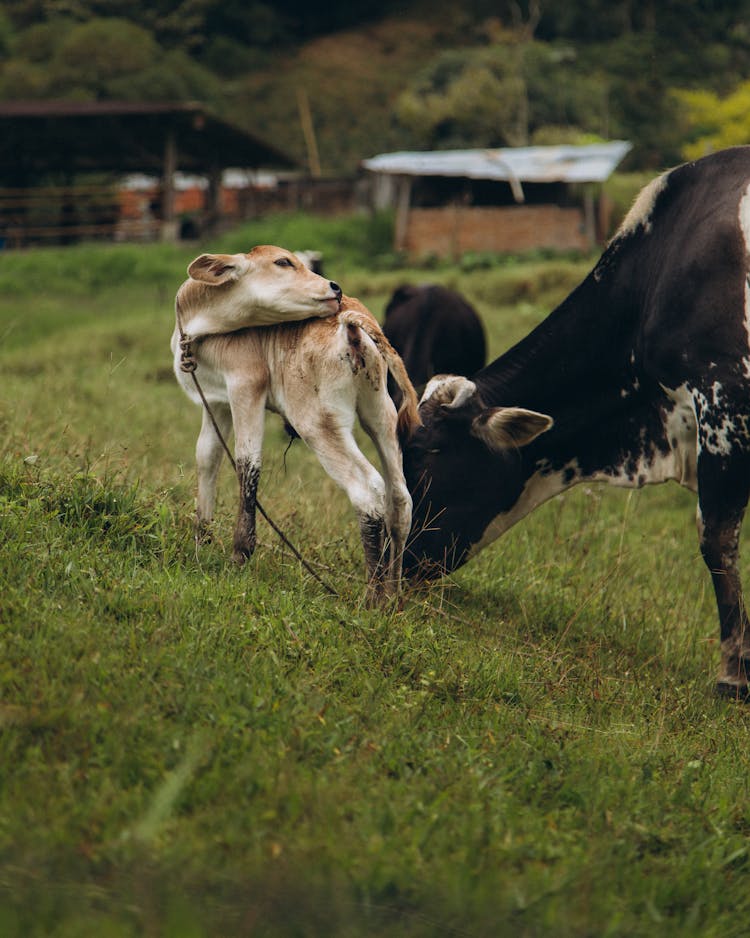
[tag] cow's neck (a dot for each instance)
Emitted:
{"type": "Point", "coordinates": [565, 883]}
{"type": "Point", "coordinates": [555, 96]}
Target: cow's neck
{"type": "Point", "coordinates": [564, 359]}
{"type": "Point", "coordinates": [580, 366]}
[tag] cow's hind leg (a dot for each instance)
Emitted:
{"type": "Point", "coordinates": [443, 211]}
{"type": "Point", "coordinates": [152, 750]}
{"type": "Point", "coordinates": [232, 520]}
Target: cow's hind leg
{"type": "Point", "coordinates": [723, 488]}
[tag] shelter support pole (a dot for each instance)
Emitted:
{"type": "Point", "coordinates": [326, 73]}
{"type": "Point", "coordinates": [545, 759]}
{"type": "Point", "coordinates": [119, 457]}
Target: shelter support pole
{"type": "Point", "coordinates": [589, 216]}
{"type": "Point", "coordinates": [169, 226]}
{"type": "Point", "coordinates": [603, 216]}
{"type": "Point", "coordinates": [214, 206]}
{"type": "Point", "coordinates": [403, 201]}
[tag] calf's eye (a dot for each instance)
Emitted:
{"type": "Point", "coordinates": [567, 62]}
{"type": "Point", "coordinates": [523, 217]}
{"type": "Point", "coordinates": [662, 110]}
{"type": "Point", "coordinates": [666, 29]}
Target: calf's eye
{"type": "Point", "coordinates": [283, 262]}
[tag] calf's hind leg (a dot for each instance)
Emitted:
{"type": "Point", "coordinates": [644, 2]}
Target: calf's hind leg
{"type": "Point", "coordinates": [379, 423]}
{"type": "Point", "coordinates": [723, 489]}
{"type": "Point", "coordinates": [337, 450]}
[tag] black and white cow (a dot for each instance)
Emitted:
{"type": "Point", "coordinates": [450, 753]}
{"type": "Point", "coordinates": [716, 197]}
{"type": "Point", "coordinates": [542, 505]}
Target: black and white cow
{"type": "Point", "coordinates": [641, 375]}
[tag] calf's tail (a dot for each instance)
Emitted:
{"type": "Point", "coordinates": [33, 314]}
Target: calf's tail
{"type": "Point", "coordinates": [408, 412]}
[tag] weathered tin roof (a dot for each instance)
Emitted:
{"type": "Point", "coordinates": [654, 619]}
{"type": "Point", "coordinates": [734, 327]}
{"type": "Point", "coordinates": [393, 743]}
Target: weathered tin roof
{"type": "Point", "coordinates": [565, 163]}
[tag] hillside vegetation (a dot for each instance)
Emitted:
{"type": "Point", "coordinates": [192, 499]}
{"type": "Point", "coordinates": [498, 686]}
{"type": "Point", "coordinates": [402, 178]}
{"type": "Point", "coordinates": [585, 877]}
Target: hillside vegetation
{"type": "Point", "coordinates": [381, 76]}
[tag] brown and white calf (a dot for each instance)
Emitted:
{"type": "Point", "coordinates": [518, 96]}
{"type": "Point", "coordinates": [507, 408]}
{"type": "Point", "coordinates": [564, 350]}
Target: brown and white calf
{"type": "Point", "coordinates": [319, 375]}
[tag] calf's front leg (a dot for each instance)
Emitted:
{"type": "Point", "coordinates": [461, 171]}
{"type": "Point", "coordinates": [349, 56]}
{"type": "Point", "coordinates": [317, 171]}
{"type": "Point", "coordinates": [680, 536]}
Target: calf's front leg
{"type": "Point", "coordinates": [248, 474]}
{"type": "Point", "coordinates": [248, 415]}
{"type": "Point", "coordinates": [372, 531]}
{"type": "Point", "coordinates": [208, 455]}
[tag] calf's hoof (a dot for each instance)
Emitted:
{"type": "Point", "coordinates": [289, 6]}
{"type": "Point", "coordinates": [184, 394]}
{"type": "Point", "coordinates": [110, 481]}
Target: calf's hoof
{"type": "Point", "coordinates": [375, 594]}
{"type": "Point", "coordinates": [243, 552]}
{"type": "Point", "coordinates": [383, 593]}
{"type": "Point", "coordinates": [203, 533]}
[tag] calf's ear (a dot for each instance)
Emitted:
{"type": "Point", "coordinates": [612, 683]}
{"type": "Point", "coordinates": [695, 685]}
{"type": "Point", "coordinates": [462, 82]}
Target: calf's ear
{"type": "Point", "coordinates": [218, 268]}
{"type": "Point", "coordinates": [509, 427]}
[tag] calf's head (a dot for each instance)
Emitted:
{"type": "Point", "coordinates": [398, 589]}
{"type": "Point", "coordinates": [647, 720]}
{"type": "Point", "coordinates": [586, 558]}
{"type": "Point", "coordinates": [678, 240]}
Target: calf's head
{"type": "Point", "coordinates": [463, 467]}
{"type": "Point", "coordinates": [267, 285]}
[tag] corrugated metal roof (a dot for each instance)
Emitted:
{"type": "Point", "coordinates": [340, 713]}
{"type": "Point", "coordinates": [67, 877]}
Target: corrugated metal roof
{"type": "Point", "coordinates": [565, 163]}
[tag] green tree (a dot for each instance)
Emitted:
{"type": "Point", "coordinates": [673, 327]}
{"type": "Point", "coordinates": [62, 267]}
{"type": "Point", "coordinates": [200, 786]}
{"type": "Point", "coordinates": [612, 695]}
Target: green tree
{"type": "Point", "coordinates": [95, 55]}
{"type": "Point", "coordinates": [712, 122]}
{"type": "Point", "coordinates": [21, 80]}
{"type": "Point", "coordinates": [7, 34]}
{"type": "Point", "coordinates": [103, 59]}
{"type": "Point", "coordinates": [174, 76]}
{"type": "Point", "coordinates": [466, 98]}
{"type": "Point", "coordinates": [503, 94]}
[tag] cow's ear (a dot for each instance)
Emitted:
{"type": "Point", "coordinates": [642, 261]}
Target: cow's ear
{"type": "Point", "coordinates": [509, 427]}
{"type": "Point", "coordinates": [218, 268]}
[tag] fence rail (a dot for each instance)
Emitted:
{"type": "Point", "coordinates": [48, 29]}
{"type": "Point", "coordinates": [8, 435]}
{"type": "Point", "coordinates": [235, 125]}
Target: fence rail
{"type": "Point", "coordinates": [58, 213]}
{"type": "Point", "coordinates": [65, 214]}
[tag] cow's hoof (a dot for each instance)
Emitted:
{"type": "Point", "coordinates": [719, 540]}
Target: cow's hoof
{"type": "Point", "coordinates": [733, 691]}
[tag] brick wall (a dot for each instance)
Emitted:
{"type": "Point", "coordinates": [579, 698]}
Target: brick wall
{"type": "Point", "coordinates": [455, 229]}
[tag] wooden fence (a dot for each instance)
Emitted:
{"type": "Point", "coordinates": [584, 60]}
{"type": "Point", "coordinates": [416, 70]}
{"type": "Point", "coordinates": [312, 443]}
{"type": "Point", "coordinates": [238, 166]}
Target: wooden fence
{"type": "Point", "coordinates": [67, 214]}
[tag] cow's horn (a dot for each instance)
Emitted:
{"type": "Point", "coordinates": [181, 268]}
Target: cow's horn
{"type": "Point", "coordinates": [465, 389]}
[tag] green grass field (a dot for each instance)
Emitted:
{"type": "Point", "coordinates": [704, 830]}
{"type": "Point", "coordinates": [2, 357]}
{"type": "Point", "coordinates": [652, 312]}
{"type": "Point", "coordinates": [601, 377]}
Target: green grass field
{"type": "Point", "coordinates": [531, 747]}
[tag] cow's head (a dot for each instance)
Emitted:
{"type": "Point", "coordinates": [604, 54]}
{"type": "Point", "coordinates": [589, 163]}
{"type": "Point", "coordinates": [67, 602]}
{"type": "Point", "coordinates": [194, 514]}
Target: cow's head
{"type": "Point", "coordinates": [267, 285]}
{"type": "Point", "coordinates": [463, 467]}
{"type": "Point", "coordinates": [401, 295]}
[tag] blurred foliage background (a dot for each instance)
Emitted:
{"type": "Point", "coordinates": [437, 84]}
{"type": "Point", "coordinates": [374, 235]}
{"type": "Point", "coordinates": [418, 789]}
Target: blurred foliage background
{"type": "Point", "coordinates": [672, 76]}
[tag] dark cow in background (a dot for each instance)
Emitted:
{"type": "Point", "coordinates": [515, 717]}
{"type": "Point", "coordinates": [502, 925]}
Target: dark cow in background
{"type": "Point", "coordinates": [435, 331]}
{"type": "Point", "coordinates": [313, 260]}
{"type": "Point", "coordinates": [641, 375]}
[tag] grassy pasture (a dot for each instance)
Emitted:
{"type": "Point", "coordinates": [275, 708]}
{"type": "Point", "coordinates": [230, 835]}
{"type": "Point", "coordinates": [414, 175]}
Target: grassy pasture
{"type": "Point", "coordinates": [531, 747]}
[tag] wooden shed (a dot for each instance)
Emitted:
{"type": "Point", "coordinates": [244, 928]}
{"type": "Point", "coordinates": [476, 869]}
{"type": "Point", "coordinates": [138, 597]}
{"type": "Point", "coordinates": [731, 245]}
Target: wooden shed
{"type": "Point", "coordinates": [452, 202]}
{"type": "Point", "coordinates": [54, 156]}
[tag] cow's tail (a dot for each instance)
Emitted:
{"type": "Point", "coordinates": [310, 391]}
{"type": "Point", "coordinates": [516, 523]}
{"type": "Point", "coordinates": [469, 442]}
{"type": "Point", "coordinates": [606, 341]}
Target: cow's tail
{"type": "Point", "coordinates": [408, 412]}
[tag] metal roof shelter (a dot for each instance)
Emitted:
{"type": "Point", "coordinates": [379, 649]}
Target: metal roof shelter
{"type": "Point", "coordinates": [539, 169]}
{"type": "Point", "coordinates": [122, 136]}
{"type": "Point", "coordinates": [39, 139]}
{"type": "Point", "coordinates": [589, 163]}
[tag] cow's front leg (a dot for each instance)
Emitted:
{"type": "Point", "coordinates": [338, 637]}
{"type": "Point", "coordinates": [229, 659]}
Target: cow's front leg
{"type": "Point", "coordinates": [723, 484]}
{"type": "Point", "coordinates": [248, 415]}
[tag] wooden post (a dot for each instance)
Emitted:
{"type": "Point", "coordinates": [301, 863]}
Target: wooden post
{"type": "Point", "coordinates": [168, 223]}
{"type": "Point", "coordinates": [308, 132]}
